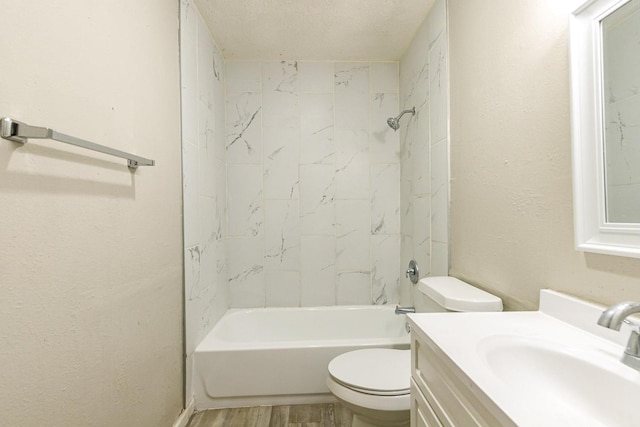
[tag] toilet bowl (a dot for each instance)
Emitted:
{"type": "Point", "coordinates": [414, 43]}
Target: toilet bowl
{"type": "Point", "coordinates": [374, 383]}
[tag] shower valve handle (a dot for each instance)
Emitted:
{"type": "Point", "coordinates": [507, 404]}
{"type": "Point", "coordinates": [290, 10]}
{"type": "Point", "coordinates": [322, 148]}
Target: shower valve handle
{"type": "Point", "coordinates": [413, 272]}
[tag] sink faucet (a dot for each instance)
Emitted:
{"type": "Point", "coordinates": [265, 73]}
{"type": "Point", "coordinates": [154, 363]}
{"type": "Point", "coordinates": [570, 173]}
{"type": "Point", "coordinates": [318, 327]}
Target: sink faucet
{"type": "Point", "coordinates": [612, 318]}
{"type": "Point", "coordinates": [405, 310]}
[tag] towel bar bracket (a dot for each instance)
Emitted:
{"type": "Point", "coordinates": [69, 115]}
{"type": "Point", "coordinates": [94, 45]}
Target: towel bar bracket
{"type": "Point", "coordinates": [20, 132]}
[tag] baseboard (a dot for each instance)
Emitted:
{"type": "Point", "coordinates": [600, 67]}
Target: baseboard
{"type": "Point", "coordinates": [185, 415]}
{"type": "Point", "coordinates": [271, 400]}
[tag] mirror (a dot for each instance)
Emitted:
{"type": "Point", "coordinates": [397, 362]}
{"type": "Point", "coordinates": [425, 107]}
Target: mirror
{"type": "Point", "coordinates": [621, 83]}
{"type": "Point", "coordinates": [605, 104]}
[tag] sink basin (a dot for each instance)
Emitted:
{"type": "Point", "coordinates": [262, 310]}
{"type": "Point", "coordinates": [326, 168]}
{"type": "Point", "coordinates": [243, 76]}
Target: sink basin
{"type": "Point", "coordinates": [553, 367]}
{"type": "Point", "coordinates": [579, 380]}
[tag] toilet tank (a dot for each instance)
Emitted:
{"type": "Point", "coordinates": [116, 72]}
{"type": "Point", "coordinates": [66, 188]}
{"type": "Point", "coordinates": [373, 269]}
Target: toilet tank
{"type": "Point", "coordinates": [440, 294]}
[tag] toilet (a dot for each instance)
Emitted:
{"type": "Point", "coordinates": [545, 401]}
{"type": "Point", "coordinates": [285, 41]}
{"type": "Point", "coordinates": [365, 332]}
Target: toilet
{"type": "Point", "coordinates": [374, 383]}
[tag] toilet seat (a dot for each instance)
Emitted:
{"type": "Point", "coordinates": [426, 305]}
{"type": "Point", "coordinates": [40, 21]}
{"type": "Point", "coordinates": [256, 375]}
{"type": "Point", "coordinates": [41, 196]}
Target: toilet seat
{"type": "Point", "coordinates": [381, 393]}
{"type": "Point", "coordinates": [376, 371]}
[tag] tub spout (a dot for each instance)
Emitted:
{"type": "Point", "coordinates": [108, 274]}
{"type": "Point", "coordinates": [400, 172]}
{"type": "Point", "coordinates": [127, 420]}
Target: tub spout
{"type": "Point", "coordinates": [405, 310]}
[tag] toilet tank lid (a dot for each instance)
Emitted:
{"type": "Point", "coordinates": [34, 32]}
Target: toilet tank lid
{"type": "Point", "coordinates": [456, 295]}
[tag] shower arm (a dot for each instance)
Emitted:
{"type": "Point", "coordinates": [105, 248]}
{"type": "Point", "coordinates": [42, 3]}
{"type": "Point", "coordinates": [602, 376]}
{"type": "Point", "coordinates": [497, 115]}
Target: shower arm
{"type": "Point", "coordinates": [412, 111]}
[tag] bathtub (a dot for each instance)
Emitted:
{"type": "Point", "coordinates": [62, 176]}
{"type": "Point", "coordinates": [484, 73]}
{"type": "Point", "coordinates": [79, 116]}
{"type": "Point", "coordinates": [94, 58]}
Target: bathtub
{"type": "Point", "coordinates": [279, 356]}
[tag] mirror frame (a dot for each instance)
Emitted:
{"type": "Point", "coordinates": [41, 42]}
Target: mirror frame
{"type": "Point", "coordinates": [592, 232]}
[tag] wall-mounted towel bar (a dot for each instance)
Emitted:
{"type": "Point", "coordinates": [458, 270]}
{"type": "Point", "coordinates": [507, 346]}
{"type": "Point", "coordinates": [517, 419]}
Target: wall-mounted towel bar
{"type": "Point", "coordinates": [21, 132]}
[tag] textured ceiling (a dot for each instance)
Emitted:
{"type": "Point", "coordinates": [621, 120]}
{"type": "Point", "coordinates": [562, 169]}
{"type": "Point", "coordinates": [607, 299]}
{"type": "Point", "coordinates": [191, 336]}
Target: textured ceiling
{"type": "Point", "coordinates": [368, 30]}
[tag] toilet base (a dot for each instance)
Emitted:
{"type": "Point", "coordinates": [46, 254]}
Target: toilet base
{"type": "Point", "coordinates": [361, 421]}
{"type": "Point", "coordinates": [367, 417]}
{"type": "Point", "coordinates": [371, 410]}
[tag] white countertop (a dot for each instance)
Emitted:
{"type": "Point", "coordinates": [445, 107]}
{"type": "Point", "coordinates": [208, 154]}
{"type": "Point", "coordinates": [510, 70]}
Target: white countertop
{"type": "Point", "coordinates": [468, 338]}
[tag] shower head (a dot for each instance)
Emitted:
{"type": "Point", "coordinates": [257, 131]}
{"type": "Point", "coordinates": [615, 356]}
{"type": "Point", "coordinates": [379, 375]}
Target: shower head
{"type": "Point", "coordinates": [394, 122]}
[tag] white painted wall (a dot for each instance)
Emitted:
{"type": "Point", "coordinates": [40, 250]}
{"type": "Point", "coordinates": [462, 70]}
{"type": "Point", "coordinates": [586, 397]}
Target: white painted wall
{"type": "Point", "coordinates": [424, 142]}
{"type": "Point", "coordinates": [313, 183]}
{"type": "Point", "coordinates": [90, 253]}
{"type": "Point", "coordinates": [511, 207]}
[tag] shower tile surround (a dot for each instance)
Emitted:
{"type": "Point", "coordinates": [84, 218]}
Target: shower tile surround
{"type": "Point", "coordinates": [313, 183]}
{"type": "Point", "coordinates": [424, 150]}
{"type": "Point", "coordinates": [204, 181]}
{"type": "Point", "coordinates": [296, 192]}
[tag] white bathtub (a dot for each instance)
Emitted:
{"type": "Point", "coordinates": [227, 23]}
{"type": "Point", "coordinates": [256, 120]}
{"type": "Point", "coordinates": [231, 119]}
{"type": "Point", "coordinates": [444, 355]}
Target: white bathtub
{"type": "Point", "coordinates": [278, 356]}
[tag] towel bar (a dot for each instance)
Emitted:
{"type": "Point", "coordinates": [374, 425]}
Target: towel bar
{"type": "Point", "coordinates": [20, 132]}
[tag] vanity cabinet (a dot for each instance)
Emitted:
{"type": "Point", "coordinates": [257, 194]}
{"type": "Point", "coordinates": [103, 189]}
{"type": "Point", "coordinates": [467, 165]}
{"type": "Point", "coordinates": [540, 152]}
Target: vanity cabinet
{"type": "Point", "coordinates": [422, 414]}
{"type": "Point", "coordinates": [442, 395]}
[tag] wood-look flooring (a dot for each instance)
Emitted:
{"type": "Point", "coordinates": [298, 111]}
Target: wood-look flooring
{"type": "Point", "coordinates": [322, 415]}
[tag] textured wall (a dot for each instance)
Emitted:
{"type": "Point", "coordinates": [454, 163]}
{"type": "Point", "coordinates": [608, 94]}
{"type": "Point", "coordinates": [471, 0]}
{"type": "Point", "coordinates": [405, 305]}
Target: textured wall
{"type": "Point", "coordinates": [90, 259]}
{"type": "Point", "coordinates": [424, 151]}
{"type": "Point", "coordinates": [511, 208]}
{"type": "Point", "coordinates": [204, 180]}
{"type": "Point", "coordinates": [313, 183]}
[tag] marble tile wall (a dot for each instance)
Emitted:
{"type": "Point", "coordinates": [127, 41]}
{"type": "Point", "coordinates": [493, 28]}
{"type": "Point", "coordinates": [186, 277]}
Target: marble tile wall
{"type": "Point", "coordinates": [424, 150]}
{"type": "Point", "coordinates": [204, 179]}
{"type": "Point", "coordinates": [313, 176]}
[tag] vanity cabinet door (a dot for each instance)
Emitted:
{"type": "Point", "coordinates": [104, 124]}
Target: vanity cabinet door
{"type": "Point", "coordinates": [422, 414]}
{"type": "Point", "coordinates": [454, 399]}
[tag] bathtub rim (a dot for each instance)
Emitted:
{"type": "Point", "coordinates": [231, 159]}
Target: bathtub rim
{"type": "Point", "coordinates": [211, 342]}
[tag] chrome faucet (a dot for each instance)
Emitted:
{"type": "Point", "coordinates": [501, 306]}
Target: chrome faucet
{"type": "Point", "coordinates": [613, 317]}
{"type": "Point", "coordinates": [405, 310]}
